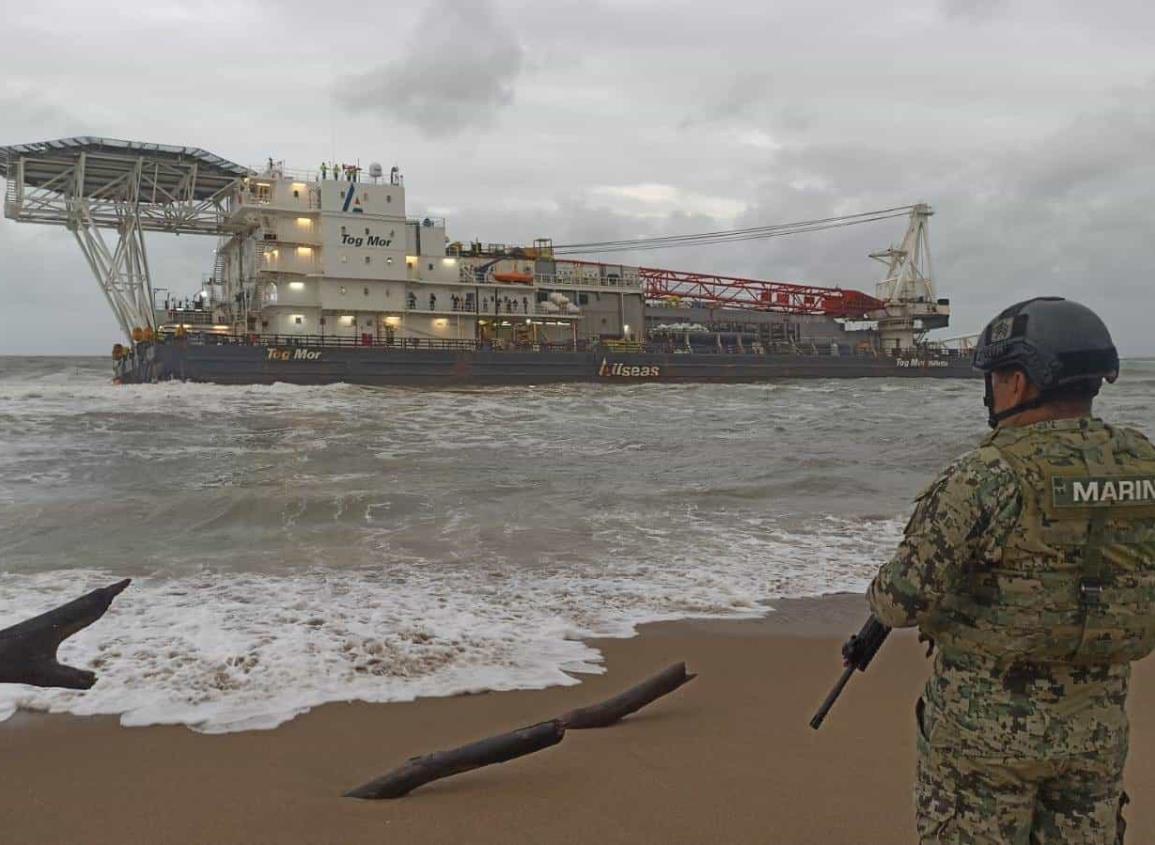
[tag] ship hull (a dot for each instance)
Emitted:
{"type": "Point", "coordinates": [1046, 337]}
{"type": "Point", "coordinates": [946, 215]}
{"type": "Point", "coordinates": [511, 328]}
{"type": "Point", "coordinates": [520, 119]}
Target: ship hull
{"type": "Point", "coordinates": [258, 364]}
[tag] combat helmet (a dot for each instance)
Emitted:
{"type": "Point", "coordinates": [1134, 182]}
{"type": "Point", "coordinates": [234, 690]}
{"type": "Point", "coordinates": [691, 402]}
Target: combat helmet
{"type": "Point", "coordinates": [1054, 341]}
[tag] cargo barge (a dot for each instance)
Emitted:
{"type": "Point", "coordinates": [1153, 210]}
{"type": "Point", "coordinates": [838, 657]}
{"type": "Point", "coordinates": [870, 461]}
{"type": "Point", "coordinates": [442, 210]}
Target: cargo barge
{"type": "Point", "coordinates": [292, 361]}
{"type": "Point", "coordinates": [322, 277]}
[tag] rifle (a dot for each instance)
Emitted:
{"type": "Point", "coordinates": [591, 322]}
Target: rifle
{"type": "Point", "coordinates": [857, 652]}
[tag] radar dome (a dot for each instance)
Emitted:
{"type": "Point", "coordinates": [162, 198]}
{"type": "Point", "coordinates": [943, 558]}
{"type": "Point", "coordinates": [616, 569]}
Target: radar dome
{"type": "Point", "coordinates": [375, 170]}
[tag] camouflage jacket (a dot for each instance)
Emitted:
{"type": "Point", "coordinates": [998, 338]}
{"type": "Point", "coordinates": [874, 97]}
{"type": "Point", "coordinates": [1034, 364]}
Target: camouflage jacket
{"type": "Point", "coordinates": [976, 704]}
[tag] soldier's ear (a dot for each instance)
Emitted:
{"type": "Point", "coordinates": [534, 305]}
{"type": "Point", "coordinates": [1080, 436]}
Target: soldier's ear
{"type": "Point", "coordinates": [1024, 390]}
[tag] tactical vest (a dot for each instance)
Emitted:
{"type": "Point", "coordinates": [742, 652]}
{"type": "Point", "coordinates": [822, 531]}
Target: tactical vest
{"type": "Point", "coordinates": [1076, 579]}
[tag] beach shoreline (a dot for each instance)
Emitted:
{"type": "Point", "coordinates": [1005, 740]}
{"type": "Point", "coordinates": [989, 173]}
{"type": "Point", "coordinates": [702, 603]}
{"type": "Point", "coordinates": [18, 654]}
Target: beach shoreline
{"type": "Point", "coordinates": [727, 758]}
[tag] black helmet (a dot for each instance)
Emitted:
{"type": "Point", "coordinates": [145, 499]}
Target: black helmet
{"type": "Point", "coordinates": [1054, 341]}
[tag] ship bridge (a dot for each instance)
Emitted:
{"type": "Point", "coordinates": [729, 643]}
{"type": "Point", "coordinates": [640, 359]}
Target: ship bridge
{"type": "Point", "coordinates": [97, 185]}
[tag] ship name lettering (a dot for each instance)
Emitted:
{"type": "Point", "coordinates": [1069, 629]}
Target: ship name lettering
{"type": "Point", "coordinates": [620, 370]}
{"type": "Point", "coordinates": [920, 362]}
{"type": "Point", "coordinates": [367, 240]}
{"type": "Point", "coordinates": [293, 355]}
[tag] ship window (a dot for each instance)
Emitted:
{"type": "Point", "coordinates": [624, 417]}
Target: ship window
{"type": "Point", "coordinates": [366, 230]}
{"type": "Point", "coordinates": [389, 259]}
{"type": "Point", "coordinates": [297, 320]}
{"type": "Point", "coordinates": [583, 299]}
{"type": "Point", "coordinates": [388, 198]}
{"type": "Point", "coordinates": [343, 232]}
{"type": "Point", "coordinates": [343, 290]}
{"type": "Point", "coordinates": [296, 194]}
{"type": "Point", "coordinates": [368, 259]}
{"type": "Point", "coordinates": [430, 266]}
{"type": "Point", "coordinates": [366, 291]}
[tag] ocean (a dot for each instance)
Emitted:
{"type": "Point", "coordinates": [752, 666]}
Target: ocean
{"type": "Point", "coordinates": [292, 546]}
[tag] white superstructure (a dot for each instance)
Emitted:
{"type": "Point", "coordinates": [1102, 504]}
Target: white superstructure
{"type": "Point", "coordinates": [338, 257]}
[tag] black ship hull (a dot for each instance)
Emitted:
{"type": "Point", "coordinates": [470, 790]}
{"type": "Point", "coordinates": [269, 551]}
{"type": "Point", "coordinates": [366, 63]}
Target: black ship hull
{"type": "Point", "coordinates": [242, 363]}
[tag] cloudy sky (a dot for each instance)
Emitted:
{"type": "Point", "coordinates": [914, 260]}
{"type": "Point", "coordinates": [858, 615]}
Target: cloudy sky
{"type": "Point", "coordinates": [1029, 126]}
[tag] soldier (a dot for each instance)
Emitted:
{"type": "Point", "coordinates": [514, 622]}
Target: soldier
{"type": "Point", "coordinates": [1030, 564]}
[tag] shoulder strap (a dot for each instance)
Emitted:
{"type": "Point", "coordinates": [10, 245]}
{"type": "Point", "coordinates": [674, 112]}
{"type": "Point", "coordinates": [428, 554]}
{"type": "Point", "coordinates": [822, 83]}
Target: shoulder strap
{"type": "Point", "coordinates": [1094, 573]}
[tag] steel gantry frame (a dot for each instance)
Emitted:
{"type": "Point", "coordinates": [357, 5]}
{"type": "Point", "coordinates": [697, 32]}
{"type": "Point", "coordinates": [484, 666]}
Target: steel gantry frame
{"type": "Point", "coordinates": [95, 185]}
{"type": "Point", "coordinates": [909, 272]}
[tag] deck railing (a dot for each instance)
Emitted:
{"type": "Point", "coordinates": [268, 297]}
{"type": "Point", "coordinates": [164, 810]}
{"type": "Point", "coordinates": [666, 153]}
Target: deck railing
{"type": "Point", "coordinates": [370, 342]}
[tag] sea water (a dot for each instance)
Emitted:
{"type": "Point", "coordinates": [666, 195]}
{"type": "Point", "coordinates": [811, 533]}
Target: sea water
{"type": "Point", "coordinates": [291, 546]}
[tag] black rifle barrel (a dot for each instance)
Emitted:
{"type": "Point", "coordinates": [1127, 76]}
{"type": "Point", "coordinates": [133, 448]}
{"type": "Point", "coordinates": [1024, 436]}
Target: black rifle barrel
{"type": "Point", "coordinates": [820, 716]}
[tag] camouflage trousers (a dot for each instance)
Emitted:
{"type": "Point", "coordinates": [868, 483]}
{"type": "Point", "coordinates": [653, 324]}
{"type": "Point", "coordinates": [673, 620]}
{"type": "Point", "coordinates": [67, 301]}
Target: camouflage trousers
{"type": "Point", "coordinates": [976, 801]}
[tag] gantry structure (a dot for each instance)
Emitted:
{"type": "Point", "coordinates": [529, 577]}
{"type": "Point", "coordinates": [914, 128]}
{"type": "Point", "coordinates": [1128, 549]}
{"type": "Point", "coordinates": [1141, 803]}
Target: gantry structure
{"type": "Point", "coordinates": [108, 193]}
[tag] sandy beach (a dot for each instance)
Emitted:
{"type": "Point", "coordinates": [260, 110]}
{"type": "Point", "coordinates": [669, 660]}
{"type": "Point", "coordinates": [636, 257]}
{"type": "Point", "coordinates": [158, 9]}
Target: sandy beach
{"type": "Point", "coordinates": [728, 758]}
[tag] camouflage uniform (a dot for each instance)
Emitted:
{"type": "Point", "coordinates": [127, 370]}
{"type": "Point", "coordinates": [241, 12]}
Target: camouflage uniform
{"type": "Point", "coordinates": [1037, 606]}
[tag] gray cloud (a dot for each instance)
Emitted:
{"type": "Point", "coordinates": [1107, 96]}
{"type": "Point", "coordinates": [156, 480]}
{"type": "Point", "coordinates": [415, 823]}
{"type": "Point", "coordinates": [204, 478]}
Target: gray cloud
{"type": "Point", "coordinates": [973, 9]}
{"type": "Point", "coordinates": [739, 98]}
{"type": "Point", "coordinates": [1032, 149]}
{"type": "Point", "coordinates": [457, 73]}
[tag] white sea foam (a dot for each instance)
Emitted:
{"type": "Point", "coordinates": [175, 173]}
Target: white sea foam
{"type": "Point", "coordinates": [222, 651]}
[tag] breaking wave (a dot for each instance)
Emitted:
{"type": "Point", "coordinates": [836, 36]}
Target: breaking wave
{"type": "Point", "coordinates": [299, 545]}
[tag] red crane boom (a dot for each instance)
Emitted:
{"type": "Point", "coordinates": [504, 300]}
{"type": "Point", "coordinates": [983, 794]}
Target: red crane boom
{"type": "Point", "coordinates": [732, 292]}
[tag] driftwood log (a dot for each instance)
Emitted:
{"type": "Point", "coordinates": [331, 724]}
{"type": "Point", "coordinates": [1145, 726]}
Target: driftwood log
{"type": "Point", "coordinates": [442, 764]}
{"type": "Point", "coordinates": [498, 749]}
{"type": "Point", "coordinates": [635, 698]}
{"type": "Point", "coordinates": [28, 649]}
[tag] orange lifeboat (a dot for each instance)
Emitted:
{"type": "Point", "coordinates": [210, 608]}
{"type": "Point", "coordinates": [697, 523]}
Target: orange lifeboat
{"type": "Point", "coordinates": [515, 278]}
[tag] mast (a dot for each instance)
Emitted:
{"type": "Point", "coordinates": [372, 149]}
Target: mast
{"type": "Point", "coordinates": [912, 307]}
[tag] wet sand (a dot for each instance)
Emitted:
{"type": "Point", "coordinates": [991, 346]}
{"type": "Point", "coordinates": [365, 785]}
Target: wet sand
{"type": "Point", "coordinates": [728, 758]}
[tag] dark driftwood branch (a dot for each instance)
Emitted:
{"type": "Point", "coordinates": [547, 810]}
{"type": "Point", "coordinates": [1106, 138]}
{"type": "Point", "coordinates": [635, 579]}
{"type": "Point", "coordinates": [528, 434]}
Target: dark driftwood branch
{"type": "Point", "coordinates": [498, 749]}
{"type": "Point", "coordinates": [634, 699]}
{"type": "Point", "coordinates": [441, 764]}
{"type": "Point", "coordinates": [28, 650]}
